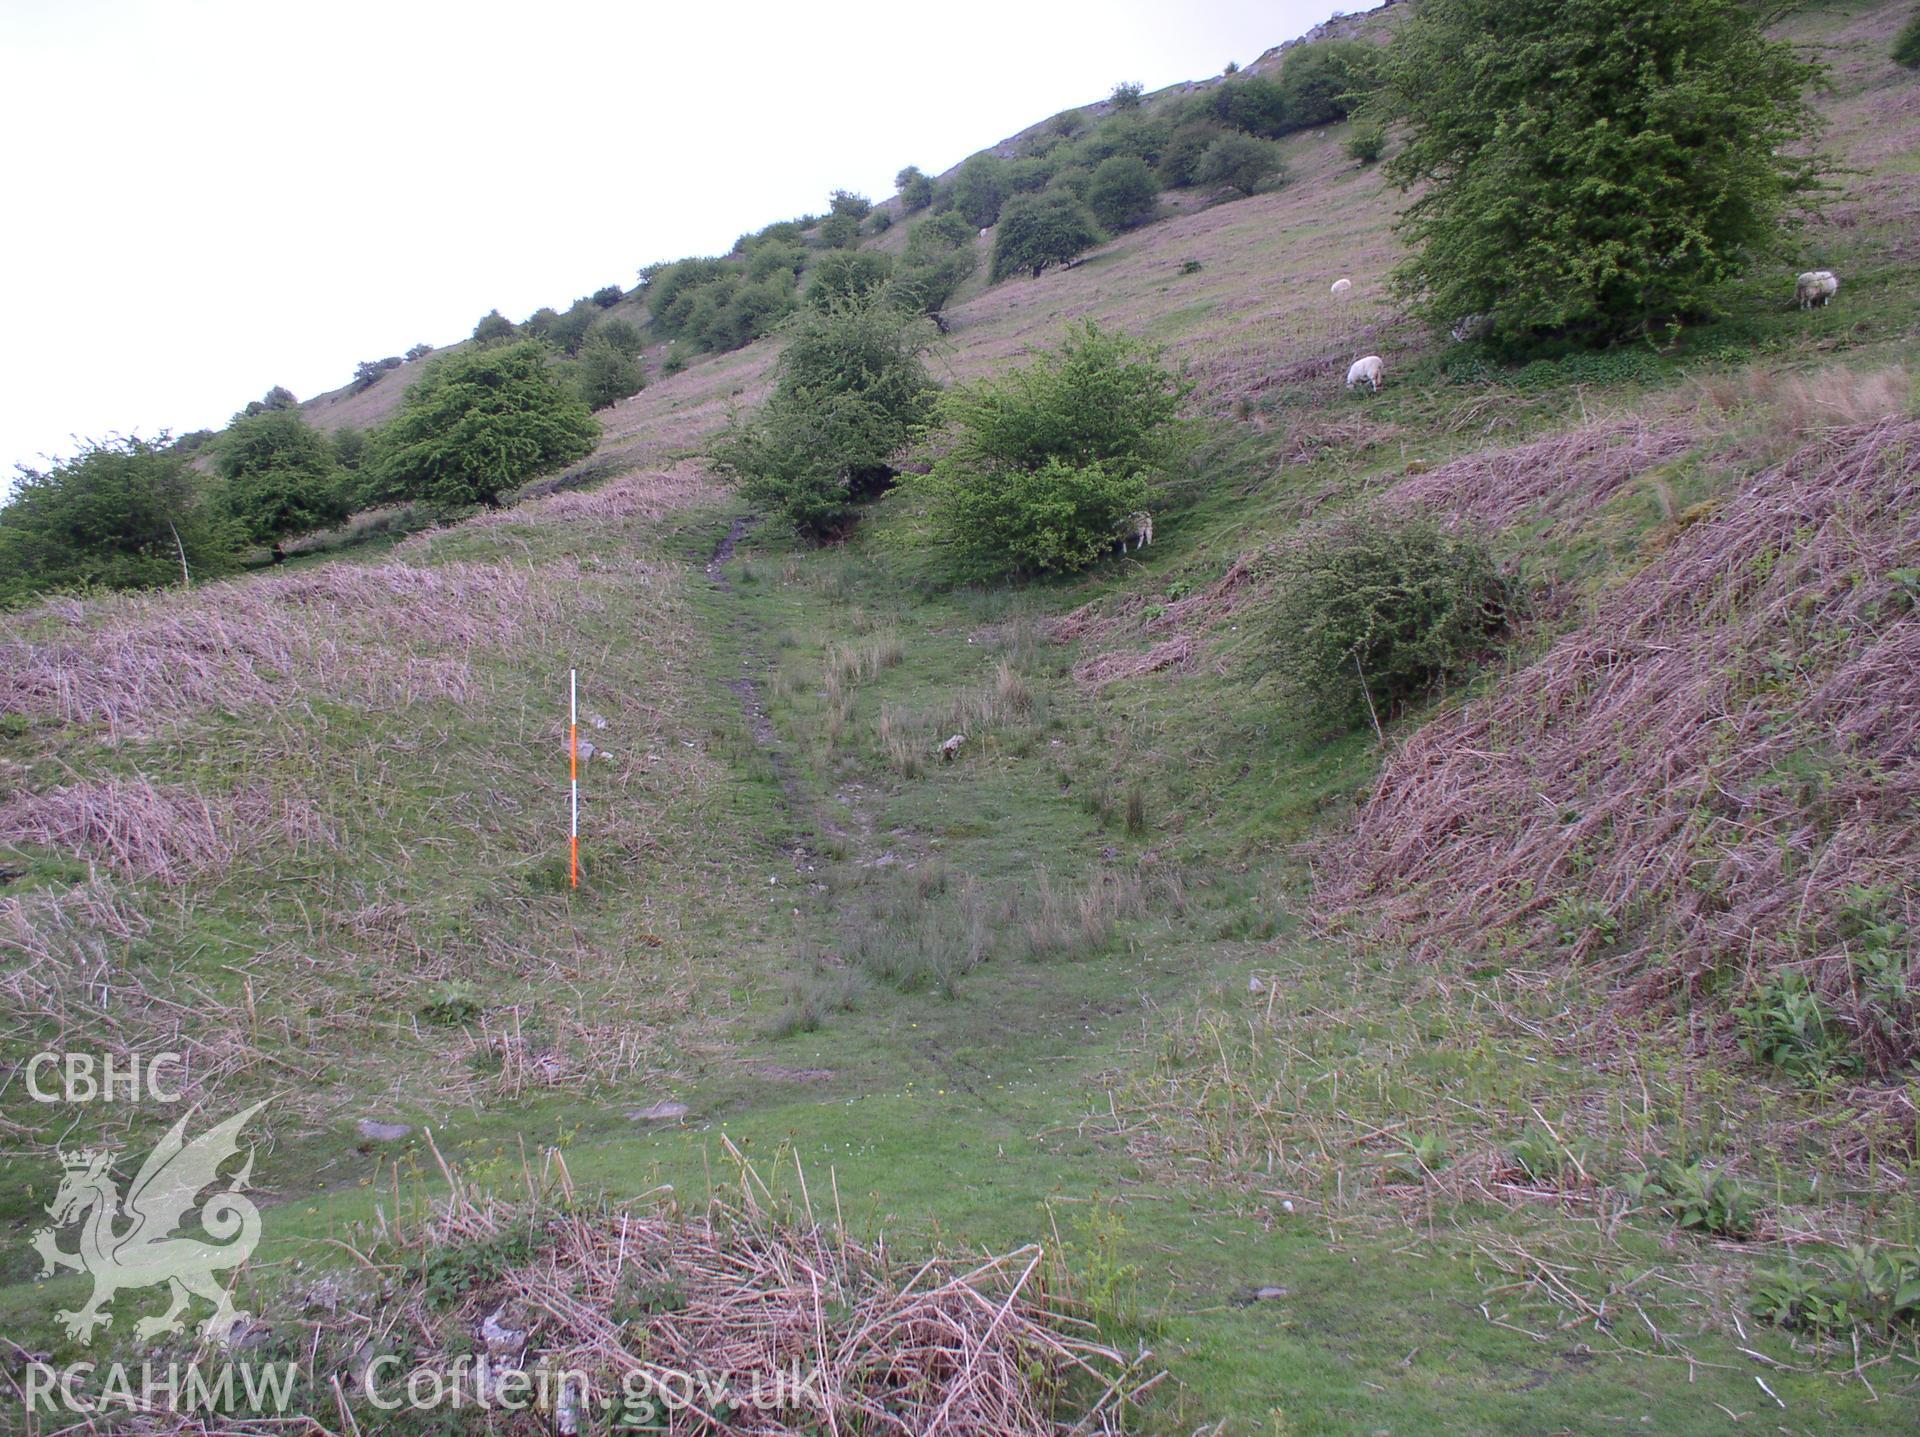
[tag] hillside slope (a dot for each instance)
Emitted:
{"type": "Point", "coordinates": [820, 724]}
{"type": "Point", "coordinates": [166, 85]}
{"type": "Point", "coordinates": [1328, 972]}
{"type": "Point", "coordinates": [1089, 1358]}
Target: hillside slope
{"type": "Point", "coordinates": [1251, 1027]}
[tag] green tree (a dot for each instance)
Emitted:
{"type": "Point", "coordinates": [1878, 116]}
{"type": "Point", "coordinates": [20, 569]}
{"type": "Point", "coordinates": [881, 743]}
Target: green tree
{"type": "Point", "coordinates": [606, 374]}
{"type": "Point", "coordinates": [567, 332]}
{"type": "Point", "coordinates": [1254, 104]}
{"type": "Point", "coordinates": [1126, 95]}
{"type": "Point", "coordinates": [1041, 230]}
{"type": "Point", "coordinates": [980, 190]}
{"type": "Point", "coordinates": [839, 230]}
{"type": "Point", "coordinates": [939, 258]}
{"type": "Point", "coordinates": [1181, 157]}
{"type": "Point", "coordinates": [608, 295]}
{"type": "Point", "coordinates": [1123, 193]}
{"type": "Point", "coordinates": [349, 447]}
{"type": "Point", "coordinates": [1322, 83]}
{"type": "Point", "coordinates": [280, 477]}
{"type": "Point", "coordinates": [1236, 162]}
{"type": "Point", "coordinates": [1366, 144]}
{"type": "Point", "coordinates": [1046, 464]}
{"type": "Point", "coordinates": [850, 392]}
{"type": "Point", "coordinates": [121, 514]}
{"type": "Point", "coordinates": [775, 259]}
{"type": "Point", "coordinates": [477, 424]}
{"type": "Point", "coordinates": [671, 288]}
{"type": "Point", "coordinates": [1591, 168]}
{"type": "Point", "coordinates": [623, 334]}
{"type": "Point", "coordinates": [1906, 47]}
{"type": "Point", "coordinates": [914, 188]}
{"type": "Point", "coordinates": [494, 328]}
{"type": "Point", "coordinates": [846, 275]}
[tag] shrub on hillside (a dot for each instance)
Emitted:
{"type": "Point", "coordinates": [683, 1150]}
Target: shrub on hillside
{"type": "Point", "coordinates": [1252, 104]}
{"type": "Point", "coordinates": [280, 478]}
{"type": "Point", "coordinates": [1323, 82]}
{"type": "Point", "coordinates": [838, 231]}
{"type": "Point", "coordinates": [915, 189]}
{"type": "Point", "coordinates": [776, 259]}
{"type": "Point", "coordinates": [1183, 150]}
{"type": "Point", "coordinates": [477, 424]}
{"type": "Point", "coordinates": [1906, 47]}
{"type": "Point", "coordinates": [1037, 231]}
{"type": "Point", "coordinates": [1126, 95]}
{"type": "Point", "coordinates": [1365, 145]}
{"type": "Point", "coordinates": [418, 353]}
{"type": "Point", "coordinates": [1375, 612]}
{"type": "Point", "coordinates": [939, 258]}
{"type": "Point", "coordinates": [623, 334]}
{"type": "Point", "coordinates": [494, 328]}
{"type": "Point", "coordinates": [606, 374]}
{"type": "Point", "coordinates": [120, 514]}
{"type": "Point", "coordinates": [846, 202]}
{"type": "Point", "coordinates": [850, 392]}
{"type": "Point", "coordinates": [567, 332]}
{"type": "Point", "coordinates": [349, 446]}
{"type": "Point", "coordinates": [607, 296]}
{"type": "Point", "coordinates": [1600, 199]}
{"type": "Point", "coordinates": [846, 275]}
{"type": "Point", "coordinates": [1122, 193]}
{"type": "Point", "coordinates": [1236, 162]}
{"type": "Point", "coordinates": [980, 190]}
{"type": "Point", "coordinates": [1046, 464]}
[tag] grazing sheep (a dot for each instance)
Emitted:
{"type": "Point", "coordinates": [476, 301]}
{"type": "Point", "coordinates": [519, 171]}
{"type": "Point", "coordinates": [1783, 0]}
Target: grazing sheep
{"type": "Point", "coordinates": [1474, 326]}
{"type": "Point", "coordinates": [983, 233]}
{"type": "Point", "coordinates": [1366, 370]}
{"type": "Point", "coordinates": [950, 750]}
{"type": "Point", "coordinates": [1135, 527]}
{"type": "Point", "coordinates": [1816, 284]}
{"type": "Point", "coordinates": [1340, 288]}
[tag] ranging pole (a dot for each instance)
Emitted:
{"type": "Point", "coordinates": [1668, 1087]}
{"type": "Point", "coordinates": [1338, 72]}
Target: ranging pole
{"type": "Point", "coordinates": [573, 774]}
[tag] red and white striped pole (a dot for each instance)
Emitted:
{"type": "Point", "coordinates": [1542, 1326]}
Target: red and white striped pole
{"type": "Point", "coordinates": [573, 774]}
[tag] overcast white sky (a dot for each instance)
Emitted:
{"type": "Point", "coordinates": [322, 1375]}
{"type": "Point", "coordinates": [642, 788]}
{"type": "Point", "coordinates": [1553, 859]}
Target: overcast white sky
{"type": "Point", "coordinates": [204, 198]}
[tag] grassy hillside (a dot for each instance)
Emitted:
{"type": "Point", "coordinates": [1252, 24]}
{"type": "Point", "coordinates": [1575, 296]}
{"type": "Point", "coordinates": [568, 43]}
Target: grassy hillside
{"type": "Point", "coordinates": [1370, 1086]}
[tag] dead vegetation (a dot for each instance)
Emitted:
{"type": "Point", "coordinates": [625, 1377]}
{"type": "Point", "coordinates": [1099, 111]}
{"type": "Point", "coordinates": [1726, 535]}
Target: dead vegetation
{"type": "Point", "coordinates": [1700, 778]}
{"type": "Point", "coordinates": [750, 1315]}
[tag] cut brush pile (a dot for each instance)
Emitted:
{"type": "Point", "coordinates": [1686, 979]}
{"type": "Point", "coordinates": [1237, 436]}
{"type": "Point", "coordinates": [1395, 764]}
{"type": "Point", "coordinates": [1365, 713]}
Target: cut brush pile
{"type": "Point", "coordinates": [600, 1305]}
{"type": "Point", "coordinates": [1714, 782]}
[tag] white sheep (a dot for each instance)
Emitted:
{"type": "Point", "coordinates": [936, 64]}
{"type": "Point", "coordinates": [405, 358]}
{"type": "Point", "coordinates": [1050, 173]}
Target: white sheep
{"type": "Point", "coordinates": [1816, 284]}
{"type": "Point", "coordinates": [1367, 371]}
{"type": "Point", "coordinates": [1340, 288]}
{"type": "Point", "coordinates": [1139, 528]}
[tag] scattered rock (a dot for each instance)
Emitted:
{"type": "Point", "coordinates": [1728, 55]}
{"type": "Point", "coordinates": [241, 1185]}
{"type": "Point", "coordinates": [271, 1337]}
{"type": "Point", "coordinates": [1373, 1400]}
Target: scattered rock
{"type": "Point", "coordinates": [1269, 1294]}
{"type": "Point", "coordinates": [664, 1111]}
{"type": "Point", "coordinates": [1254, 985]}
{"type": "Point", "coordinates": [375, 1131]}
{"type": "Point", "coordinates": [587, 750]}
{"type": "Point", "coordinates": [596, 720]}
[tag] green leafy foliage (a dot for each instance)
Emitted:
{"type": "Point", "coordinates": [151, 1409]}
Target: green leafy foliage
{"type": "Point", "coordinates": [1038, 231]}
{"type": "Point", "coordinates": [1126, 95]}
{"type": "Point", "coordinates": [939, 258]}
{"type": "Point", "coordinates": [1591, 168]}
{"type": "Point", "coordinates": [915, 189]}
{"type": "Point", "coordinates": [606, 374]}
{"type": "Point", "coordinates": [120, 514]}
{"type": "Point", "coordinates": [1874, 1290]}
{"type": "Point", "coordinates": [846, 275]}
{"type": "Point", "coordinates": [1366, 145]}
{"type": "Point", "coordinates": [850, 392]}
{"type": "Point", "coordinates": [980, 189]}
{"type": "Point", "coordinates": [1788, 1025]}
{"type": "Point", "coordinates": [1906, 46]}
{"type": "Point", "coordinates": [1181, 157]}
{"type": "Point", "coordinates": [607, 296]}
{"type": "Point", "coordinates": [1698, 1198]}
{"type": "Point", "coordinates": [1374, 612]}
{"type": "Point", "coordinates": [478, 424]}
{"type": "Point", "coordinates": [567, 332]}
{"type": "Point", "coordinates": [494, 328]}
{"type": "Point", "coordinates": [279, 477]}
{"type": "Point", "coordinates": [1046, 464]}
{"type": "Point", "coordinates": [1253, 104]}
{"type": "Point", "coordinates": [1123, 192]}
{"type": "Point", "coordinates": [1322, 83]}
{"type": "Point", "coordinates": [1236, 162]}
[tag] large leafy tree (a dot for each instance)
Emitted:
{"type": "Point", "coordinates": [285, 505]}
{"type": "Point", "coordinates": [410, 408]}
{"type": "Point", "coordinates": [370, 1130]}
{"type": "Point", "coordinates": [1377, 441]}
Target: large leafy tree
{"type": "Point", "coordinates": [122, 513]}
{"type": "Point", "coordinates": [850, 392]}
{"type": "Point", "coordinates": [280, 477]}
{"type": "Point", "coordinates": [1041, 230]}
{"type": "Point", "coordinates": [1591, 168]}
{"type": "Point", "coordinates": [479, 423]}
